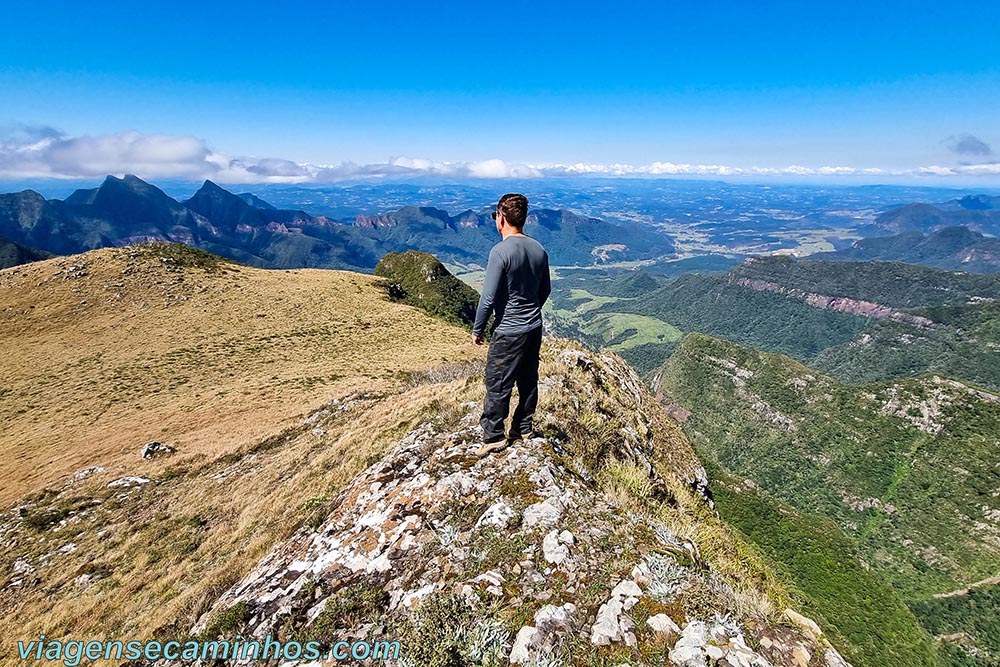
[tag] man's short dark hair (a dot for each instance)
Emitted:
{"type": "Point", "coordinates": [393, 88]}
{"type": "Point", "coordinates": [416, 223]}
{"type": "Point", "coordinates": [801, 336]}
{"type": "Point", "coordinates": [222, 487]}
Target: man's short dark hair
{"type": "Point", "coordinates": [514, 208]}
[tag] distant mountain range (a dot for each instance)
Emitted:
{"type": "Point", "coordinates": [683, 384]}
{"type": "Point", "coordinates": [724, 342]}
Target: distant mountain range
{"type": "Point", "coordinates": [957, 248]}
{"type": "Point", "coordinates": [980, 213]}
{"type": "Point", "coordinates": [123, 211]}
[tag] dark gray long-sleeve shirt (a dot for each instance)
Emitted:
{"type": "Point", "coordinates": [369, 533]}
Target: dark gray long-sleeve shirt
{"type": "Point", "coordinates": [515, 287]}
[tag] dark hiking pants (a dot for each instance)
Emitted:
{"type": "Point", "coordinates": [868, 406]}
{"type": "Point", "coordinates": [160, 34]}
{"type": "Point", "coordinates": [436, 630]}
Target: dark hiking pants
{"type": "Point", "coordinates": [512, 360]}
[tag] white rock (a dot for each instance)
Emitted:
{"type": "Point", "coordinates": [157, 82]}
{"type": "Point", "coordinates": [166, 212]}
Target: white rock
{"type": "Point", "coordinates": [457, 483]}
{"type": "Point", "coordinates": [498, 515]}
{"type": "Point", "coordinates": [154, 449]}
{"type": "Point", "coordinates": [128, 481]}
{"type": "Point", "coordinates": [714, 652]}
{"type": "Point", "coordinates": [803, 623]}
{"type": "Point", "coordinates": [663, 624]}
{"type": "Point", "coordinates": [490, 577]}
{"type": "Point", "coordinates": [551, 619]}
{"type": "Point", "coordinates": [627, 588]}
{"type": "Point", "coordinates": [527, 638]}
{"type": "Point", "coordinates": [412, 600]}
{"type": "Point", "coordinates": [834, 659]}
{"type": "Point", "coordinates": [553, 550]}
{"type": "Point", "coordinates": [689, 651]}
{"type": "Point", "coordinates": [542, 514]}
{"type": "Point", "coordinates": [606, 628]}
{"type": "Point", "coordinates": [640, 574]}
{"type": "Point", "coordinates": [567, 537]}
{"type": "Point", "coordinates": [380, 564]}
{"type": "Point", "coordinates": [688, 656]}
{"type": "Point", "coordinates": [626, 624]}
{"type": "Point", "coordinates": [22, 566]}
{"type": "Point", "coordinates": [87, 472]}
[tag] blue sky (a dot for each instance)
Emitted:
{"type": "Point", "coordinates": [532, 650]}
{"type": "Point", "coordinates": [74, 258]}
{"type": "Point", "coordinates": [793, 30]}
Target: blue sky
{"type": "Point", "coordinates": [184, 87]}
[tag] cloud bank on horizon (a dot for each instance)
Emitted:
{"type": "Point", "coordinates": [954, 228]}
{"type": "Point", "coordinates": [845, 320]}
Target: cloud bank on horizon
{"type": "Point", "coordinates": [37, 152]}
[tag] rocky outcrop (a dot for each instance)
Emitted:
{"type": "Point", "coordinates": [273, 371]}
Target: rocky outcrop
{"type": "Point", "coordinates": [526, 546]}
{"type": "Point", "coordinates": [857, 307]}
{"type": "Point", "coordinates": [374, 221]}
{"type": "Point", "coordinates": [419, 279]}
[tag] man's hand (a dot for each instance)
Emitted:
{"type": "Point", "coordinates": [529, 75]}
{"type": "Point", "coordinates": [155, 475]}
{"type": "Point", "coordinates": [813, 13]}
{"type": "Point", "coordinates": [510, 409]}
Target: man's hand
{"type": "Point", "coordinates": [477, 339]}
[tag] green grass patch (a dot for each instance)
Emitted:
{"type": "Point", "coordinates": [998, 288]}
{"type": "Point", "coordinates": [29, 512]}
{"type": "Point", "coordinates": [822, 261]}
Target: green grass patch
{"type": "Point", "coordinates": [864, 616]}
{"type": "Point", "coordinates": [624, 331]}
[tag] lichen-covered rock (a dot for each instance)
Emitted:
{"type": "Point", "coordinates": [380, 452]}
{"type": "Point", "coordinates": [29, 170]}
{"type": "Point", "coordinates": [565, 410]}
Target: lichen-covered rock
{"type": "Point", "coordinates": [534, 642]}
{"type": "Point", "coordinates": [718, 643]}
{"type": "Point", "coordinates": [664, 626]}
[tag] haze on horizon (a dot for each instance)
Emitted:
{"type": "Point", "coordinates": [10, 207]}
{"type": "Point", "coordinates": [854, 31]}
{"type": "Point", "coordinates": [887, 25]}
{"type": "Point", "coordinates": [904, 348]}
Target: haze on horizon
{"type": "Point", "coordinates": [254, 93]}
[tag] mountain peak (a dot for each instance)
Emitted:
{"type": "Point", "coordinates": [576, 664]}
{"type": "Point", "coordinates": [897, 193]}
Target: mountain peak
{"type": "Point", "coordinates": [210, 186]}
{"type": "Point", "coordinates": [129, 183]}
{"type": "Point", "coordinates": [226, 210]}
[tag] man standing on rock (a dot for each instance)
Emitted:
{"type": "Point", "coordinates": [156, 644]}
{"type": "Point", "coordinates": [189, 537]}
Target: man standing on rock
{"type": "Point", "coordinates": [514, 290]}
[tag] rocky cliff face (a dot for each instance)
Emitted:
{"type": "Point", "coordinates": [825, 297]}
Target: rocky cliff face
{"type": "Point", "coordinates": [586, 546]}
{"type": "Point", "coordinates": [857, 307]}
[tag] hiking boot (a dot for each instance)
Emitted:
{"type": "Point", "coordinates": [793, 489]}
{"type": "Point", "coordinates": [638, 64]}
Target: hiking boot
{"type": "Point", "coordinates": [491, 446]}
{"type": "Point", "coordinates": [531, 435]}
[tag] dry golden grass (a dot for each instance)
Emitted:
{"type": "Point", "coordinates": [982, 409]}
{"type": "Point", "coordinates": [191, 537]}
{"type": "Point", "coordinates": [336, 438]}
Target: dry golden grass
{"type": "Point", "coordinates": [223, 362]}
{"type": "Point", "coordinates": [758, 594]}
{"type": "Point", "coordinates": [136, 346]}
{"type": "Point", "coordinates": [160, 554]}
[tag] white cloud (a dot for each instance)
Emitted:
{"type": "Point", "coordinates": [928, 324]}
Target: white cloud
{"type": "Point", "coordinates": [935, 170]}
{"type": "Point", "coordinates": [984, 169]}
{"type": "Point", "coordinates": [39, 152]}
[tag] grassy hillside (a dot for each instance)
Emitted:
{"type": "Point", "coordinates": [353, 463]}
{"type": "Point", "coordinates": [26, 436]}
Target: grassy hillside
{"type": "Point", "coordinates": [906, 468]}
{"type": "Point", "coordinates": [168, 343]}
{"type": "Point", "coordinates": [977, 215]}
{"type": "Point", "coordinates": [712, 304]}
{"type": "Point", "coordinates": [273, 387]}
{"type": "Point", "coordinates": [856, 604]}
{"type": "Point", "coordinates": [968, 619]}
{"type": "Point", "coordinates": [598, 308]}
{"type": "Point", "coordinates": [965, 345]}
{"type": "Point", "coordinates": [466, 237]}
